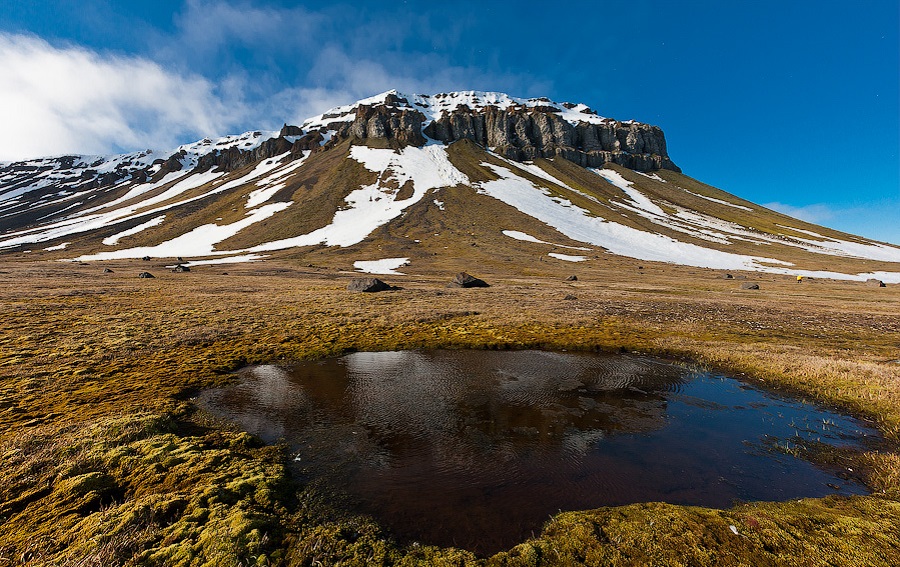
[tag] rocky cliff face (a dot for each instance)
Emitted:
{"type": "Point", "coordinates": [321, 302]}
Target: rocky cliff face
{"type": "Point", "coordinates": [525, 134]}
{"type": "Point", "coordinates": [518, 132]}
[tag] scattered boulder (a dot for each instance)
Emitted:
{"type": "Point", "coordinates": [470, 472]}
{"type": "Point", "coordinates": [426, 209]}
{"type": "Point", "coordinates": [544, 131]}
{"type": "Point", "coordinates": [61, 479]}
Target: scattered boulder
{"type": "Point", "coordinates": [570, 297]}
{"type": "Point", "coordinates": [107, 271]}
{"type": "Point", "coordinates": [572, 278]}
{"type": "Point", "coordinates": [180, 268]}
{"type": "Point", "coordinates": [727, 276]}
{"type": "Point", "coordinates": [146, 275]}
{"type": "Point", "coordinates": [368, 285]}
{"type": "Point", "coordinates": [748, 285]}
{"type": "Point", "coordinates": [146, 258]}
{"type": "Point", "coordinates": [872, 282]}
{"type": "Point", "coordinates": [463, 279]}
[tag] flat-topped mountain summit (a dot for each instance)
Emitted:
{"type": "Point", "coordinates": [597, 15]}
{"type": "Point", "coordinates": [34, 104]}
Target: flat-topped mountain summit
{"type": "Point", "coordinates": [416, 180]}
{"type": "Point", "coordinates": [519, 129]}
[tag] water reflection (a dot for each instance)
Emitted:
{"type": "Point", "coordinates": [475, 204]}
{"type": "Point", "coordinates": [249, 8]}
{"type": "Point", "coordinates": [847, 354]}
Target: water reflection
{"type": "Point", "coordinates": [478, 448]}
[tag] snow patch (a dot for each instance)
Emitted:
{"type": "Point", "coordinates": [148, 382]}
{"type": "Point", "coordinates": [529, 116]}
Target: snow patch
{"type": "Point", "coordinates": [640, 200]}
{"type": "Point", "coordinates": [260, 196]}
{"type": "Point", "coordinates": [228, 260]}
{"type": "Point", "coordinates": [652, 176]}
{"type": "Point", "coordinates": [386, 266]}
{"type": "Point", "coordinates": [198, 242]}
{"type": "Point", "coordinates": [566, 257]}
{"type": "Point", "coordinates": [528, 238]}
{"type": "Point", "coordinates": [720, 201]}
{"type": "Point", "coordinates": [272, 184]}
{"type": "Point", "coordinates": [886, 277]}
{"type": "Point", "coordinates": [114, 239]}
{"type": "Point", "coordinates": [800, 230]}
{"type": "Point", "coordinates": [57, 247]}
{"type": "Point", "coordinates": [522, 236]}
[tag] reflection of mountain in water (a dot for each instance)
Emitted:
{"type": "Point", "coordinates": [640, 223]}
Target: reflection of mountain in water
{"type": "Point", "coordinates": [477, 448]}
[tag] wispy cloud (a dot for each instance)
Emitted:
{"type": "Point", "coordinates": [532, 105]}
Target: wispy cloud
{"type": "Point", "coordinates": [306, 61]}
{"type": "Point", "coordinates": [69, 99]}
{"type": "Point", "coordinates": [876, 219]}
{"type": "Point", "coordinates": [225, 67]}
{"type": "Point", "coordinates": [818, 213]}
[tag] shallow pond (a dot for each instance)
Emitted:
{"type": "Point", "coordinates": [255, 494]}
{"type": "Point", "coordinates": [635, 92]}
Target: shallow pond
{"type": "Point", "coordinates": [477, 449]}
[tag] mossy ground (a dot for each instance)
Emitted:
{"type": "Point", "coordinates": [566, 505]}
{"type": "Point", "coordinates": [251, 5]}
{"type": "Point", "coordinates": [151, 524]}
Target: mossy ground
{"type": "Point", "coordinates": [106, 461]}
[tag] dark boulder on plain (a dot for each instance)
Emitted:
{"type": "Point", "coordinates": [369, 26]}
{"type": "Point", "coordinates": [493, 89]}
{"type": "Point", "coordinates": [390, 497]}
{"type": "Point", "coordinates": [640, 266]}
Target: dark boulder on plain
{"type": "Point", "coordinates": [146, 258]}
{"type": "Point", "coordinates": [179, 269]}
{"type": "Point", "coordinates": [749, 285]}
{"type": "Point", "coordinates": [727, 276]}
{"type": "Point", "coordinates": [872, 282]}
{"type": "Point", "coordinates": [368, 285]}
{"type": "Point", "coordinates": [107, 271]}
{"type": "Point", "coordinates": [572, 278]}
{"type": "Point", "coordinates": [145, 275]}
{"type": "Point", "coordinates": [463, 279]}
{"type": "Point", "coordinates": [570, 297]}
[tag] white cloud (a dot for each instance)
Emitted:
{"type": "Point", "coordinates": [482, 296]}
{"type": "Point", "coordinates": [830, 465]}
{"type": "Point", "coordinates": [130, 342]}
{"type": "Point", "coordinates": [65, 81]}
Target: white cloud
{"type": "Point", "coordinates": [226, 67]}
{"type": "Point", "coordinates": [817, 213]}
{"type": "Point", "coordinates": [69, 99]}
{"type": "Point", "coordinates": [873, 219]}
{"type": "Point", "coordinates": [304, 62]}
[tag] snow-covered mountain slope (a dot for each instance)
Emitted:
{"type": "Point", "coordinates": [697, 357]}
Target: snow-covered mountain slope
{"type": "Point", "coordinates": [406, 180]}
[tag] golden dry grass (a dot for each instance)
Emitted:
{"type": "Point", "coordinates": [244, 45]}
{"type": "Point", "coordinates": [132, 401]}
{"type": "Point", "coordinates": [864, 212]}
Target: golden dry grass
{"type": "Point", "coordinates": [107, 463]}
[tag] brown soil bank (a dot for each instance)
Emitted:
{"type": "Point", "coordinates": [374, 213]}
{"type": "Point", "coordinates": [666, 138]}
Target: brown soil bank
{"type": "Point", "coordinates": [106, 461]}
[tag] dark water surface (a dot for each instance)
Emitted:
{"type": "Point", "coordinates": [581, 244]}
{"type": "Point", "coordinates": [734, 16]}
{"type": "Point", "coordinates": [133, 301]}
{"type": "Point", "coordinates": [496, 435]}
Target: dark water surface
{"type": "Point", "coordinates": [477, 449]}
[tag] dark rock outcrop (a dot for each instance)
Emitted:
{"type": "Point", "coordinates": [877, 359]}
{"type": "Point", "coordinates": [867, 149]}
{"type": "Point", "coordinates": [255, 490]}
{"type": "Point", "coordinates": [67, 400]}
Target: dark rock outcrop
{"type": "Point", "coordinates": [527, 133]}
{"type": "Point", "coordinates": [235, 158]}
{"type": "Point", "coordinates": [517, 132]}
{"type": "Point", "coordinates": [368, 285]}
{"type": "Point", "coordinates": [288, 130]}
{"type": "Point", "coordinates": [145, 275]}
{"type": "Point", "coordinates": [180, 269]}
{"type": "Point", "coordinates": [572, 278]}
{"type": "Point", "coordinates": [463, 279]}
{"type": "Point", "coordinates": [748, 285]}
{"type": "Point", "coordinates": [389, 120]}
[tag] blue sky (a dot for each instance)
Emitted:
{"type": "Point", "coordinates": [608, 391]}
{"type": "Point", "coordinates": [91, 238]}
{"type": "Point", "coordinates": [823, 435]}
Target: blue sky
{"type": "Point", "coordinates": [789, 104]}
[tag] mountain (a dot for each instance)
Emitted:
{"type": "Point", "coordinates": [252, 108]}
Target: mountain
{"type": "Point", "coordinates": [472, 178]}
